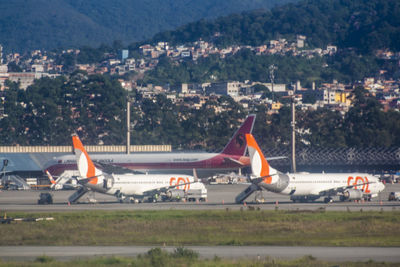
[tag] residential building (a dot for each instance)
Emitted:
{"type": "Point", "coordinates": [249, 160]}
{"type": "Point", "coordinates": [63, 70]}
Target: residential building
{"type": "Point", "coordinates": [224, 88]}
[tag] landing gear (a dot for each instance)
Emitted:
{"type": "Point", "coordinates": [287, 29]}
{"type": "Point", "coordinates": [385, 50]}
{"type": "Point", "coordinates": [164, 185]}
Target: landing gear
{"type": "Point", "coordinates": [122, 198]}
{"type": "Point", "coordinates": [152, 199]}
{"type": "Point", "coordinates": [259, 197]}
{"type": "Point", "coordinates": [328, 200]}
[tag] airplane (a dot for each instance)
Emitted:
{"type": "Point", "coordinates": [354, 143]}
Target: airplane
{"type": "Point", "coordinates": [302, 187]}
{"type": "Point", "coordinates": [231, 158]}
{"type": "Point", "coordinates": [126, 187]}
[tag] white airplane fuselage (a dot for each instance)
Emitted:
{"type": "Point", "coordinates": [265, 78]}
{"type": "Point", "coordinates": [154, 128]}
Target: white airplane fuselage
{"type": "Point", "coordinates": [301, 184]}
{"type": "Point", "coordinates": [232, 157]}
{"type": "Point", "coordinates": [206, 164]}
{"type": "Point", "coordinates": [130, 184]}
{"type": "Point", "coordinates": [307, 186]}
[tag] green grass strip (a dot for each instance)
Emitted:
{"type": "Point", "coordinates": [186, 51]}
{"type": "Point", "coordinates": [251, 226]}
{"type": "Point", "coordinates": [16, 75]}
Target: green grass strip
{"type": "Point", "coordinates": [212, 227]}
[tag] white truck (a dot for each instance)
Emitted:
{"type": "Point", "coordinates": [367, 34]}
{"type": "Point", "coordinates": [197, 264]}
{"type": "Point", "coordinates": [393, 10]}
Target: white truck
{"type": "Point", "coordinates": [196, 192]}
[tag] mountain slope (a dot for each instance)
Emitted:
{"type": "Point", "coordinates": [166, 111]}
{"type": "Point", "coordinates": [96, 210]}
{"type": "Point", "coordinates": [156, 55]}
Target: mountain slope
{"type": "Point", "coordinates": [35, 24]}
{"type": "Point", "coordinates": [364, 24]}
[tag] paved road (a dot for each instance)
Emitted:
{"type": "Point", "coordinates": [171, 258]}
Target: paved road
{"type": "Point", "coordinates": [335, 254]}
{"type": "Point", "coordinates": [219, 197]}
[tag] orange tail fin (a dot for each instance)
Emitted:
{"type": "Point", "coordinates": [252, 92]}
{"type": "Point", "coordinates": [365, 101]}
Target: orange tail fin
{"type": "Point", "coordinates": [259, 165]}
{"type": "Point", "coordinates": [85, 164]}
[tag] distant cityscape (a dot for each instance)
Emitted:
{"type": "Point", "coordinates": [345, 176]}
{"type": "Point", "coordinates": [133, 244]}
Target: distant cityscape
{"type": "Point", "coordinates": [334, 95]}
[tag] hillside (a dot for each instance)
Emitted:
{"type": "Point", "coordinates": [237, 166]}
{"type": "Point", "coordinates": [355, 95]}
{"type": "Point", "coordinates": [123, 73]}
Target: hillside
{"type": "Point", "coordinates": [37, 24]}
{"type": "Point", "coordinates": [363, 24]}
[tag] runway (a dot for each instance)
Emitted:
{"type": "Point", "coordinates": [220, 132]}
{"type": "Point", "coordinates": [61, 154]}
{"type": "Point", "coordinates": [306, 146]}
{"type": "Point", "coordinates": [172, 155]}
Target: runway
{"type": "Point", "coordinates": [219, 197]}
{"type": "Point", "coordinates": [334, 254]}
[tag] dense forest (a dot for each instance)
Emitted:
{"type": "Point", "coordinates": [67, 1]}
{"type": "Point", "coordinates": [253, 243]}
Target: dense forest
{"type": "Point", "coordinates": [363, 24]}
{"type": "Point", "coordinates": [61, 24]}
{"type": "Point", "coordinates": [93, 106]}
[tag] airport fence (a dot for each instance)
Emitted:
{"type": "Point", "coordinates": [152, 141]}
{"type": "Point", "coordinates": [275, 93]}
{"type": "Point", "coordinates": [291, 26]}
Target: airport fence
{"type": "Point", "coordinates": [90, 149]}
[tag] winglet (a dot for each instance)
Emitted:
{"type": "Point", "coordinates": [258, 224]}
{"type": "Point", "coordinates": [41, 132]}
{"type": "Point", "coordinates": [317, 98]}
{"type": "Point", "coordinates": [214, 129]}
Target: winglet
{"type": "Point", "coordinates": [85, 164]}
{"type": "Point", "coordinates": [259, 165]}
{"type": "Point", "coordinates": [52, 181]}
{"type": "Point", "coordinates": [237, 144]}
{"type": "Point", "coordinates": [195, 177]}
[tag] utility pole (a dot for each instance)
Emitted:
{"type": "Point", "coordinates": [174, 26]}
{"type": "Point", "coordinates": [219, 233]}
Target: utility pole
{"type": "Point", "coordinates": [128, 125]}
{"type": "Point", "coordinates": [293, 131]}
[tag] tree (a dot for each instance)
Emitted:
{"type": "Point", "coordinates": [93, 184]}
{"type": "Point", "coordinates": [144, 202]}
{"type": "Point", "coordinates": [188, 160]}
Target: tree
{"type": "Point", "coordinates": [365, 122]}
{"type": "Point", "coordinates": [13, 67]}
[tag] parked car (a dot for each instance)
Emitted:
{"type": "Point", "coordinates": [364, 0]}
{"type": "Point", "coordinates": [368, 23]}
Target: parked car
{"type": "Point", "coordinates": [45, 198]}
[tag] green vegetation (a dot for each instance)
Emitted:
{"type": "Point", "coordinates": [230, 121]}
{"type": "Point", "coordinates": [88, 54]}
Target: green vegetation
{"type": "Point", "coordinates": [94, 107]}
{"type": "Point", "coordinates": [158, 257]}
{"type": "Point", "coordinates": [365, 25]}
{"type": "Point", "coordinates": [49, 111]}
{"type": "Point", "coordinates": [245, 65]}
{"type": "Point", "coordinates": [74, 23]}
{"type": "Point", "coordinates": [219, 227]}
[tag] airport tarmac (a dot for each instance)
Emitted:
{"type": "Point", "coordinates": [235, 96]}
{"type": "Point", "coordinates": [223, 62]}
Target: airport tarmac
{"type": "Point", "coordinates": [219, 197]}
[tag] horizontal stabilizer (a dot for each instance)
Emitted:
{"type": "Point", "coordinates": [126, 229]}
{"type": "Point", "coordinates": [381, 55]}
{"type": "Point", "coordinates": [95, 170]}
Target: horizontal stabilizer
{"type": "Point", "coordinates": [276, 158]}
{"type": "Point", "coordinates": [240, 164]}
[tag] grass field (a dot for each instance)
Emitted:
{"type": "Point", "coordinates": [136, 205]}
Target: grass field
{"type": "Point", "coordinates": [216, 227]}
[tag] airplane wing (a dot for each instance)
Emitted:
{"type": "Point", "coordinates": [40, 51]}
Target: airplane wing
{"type": "Point", "coordinates": [165, 189]}
{"type": "Point", "coordinates": [243, 165]}
{"type": "Point", "coordinates": [339, 190]}
{"type": "Point", "coordinates": [116, 169]}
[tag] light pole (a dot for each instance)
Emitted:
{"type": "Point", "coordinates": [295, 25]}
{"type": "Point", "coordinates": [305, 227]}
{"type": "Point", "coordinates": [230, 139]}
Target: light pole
{"type": "Point", "coordinates": [293, 131]}
{"type": "Point", "coordinates": [128, 125]}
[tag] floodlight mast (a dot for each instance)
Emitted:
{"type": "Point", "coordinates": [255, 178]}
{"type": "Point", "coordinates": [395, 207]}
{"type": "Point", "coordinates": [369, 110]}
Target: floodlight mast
{"type": "Point", "coordinates": [128, 125]}
{"type": "Point", "coordinates": [293, 131]}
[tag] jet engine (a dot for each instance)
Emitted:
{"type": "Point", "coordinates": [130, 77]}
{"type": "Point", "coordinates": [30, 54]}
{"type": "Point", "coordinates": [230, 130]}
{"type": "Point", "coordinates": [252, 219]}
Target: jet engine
{"type": "Point", "coordinates": [351, 194]}
{"type": "Point", "coordinates": [174, 194]}
{"type": "Point", "coordinates": [108, 182]}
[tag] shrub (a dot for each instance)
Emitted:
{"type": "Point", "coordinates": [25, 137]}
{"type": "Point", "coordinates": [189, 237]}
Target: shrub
{"type": "Point", "coordinates": [44, 259]}
{"type": "Point", "coordinates": [181, 252]}
{"type": "Point", "coordinates": [158, 257]}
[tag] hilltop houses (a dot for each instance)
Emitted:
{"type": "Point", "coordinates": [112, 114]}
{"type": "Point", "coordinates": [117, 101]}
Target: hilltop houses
{"type": "Point", "coordinates": [335, 95]}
